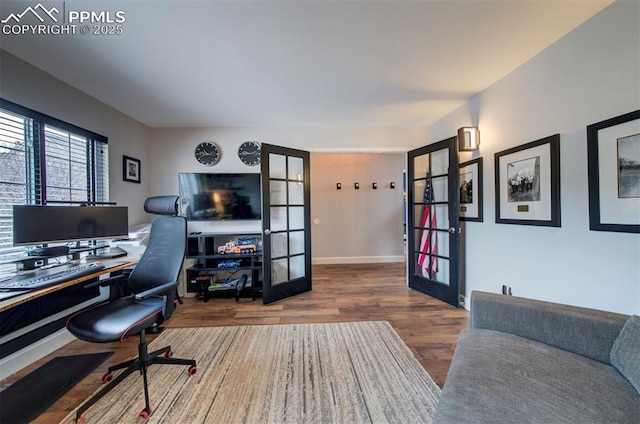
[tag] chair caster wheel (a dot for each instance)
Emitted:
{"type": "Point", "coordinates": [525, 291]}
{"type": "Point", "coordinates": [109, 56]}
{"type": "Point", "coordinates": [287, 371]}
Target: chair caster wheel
{"type": "Point", "coordinates": [144, 414]}
{"type": "Point", "coordinates": [107, 377]}
{"type": "Point", "coordinates": [192, 369]}
{"type": "Point", "coordinates": [168, 354]}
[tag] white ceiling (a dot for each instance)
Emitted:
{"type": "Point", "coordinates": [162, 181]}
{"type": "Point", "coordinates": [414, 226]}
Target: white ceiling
{"type": "Point", "coordinates": [297, 63]}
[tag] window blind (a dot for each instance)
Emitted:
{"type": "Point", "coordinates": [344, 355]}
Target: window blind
{"type": "Point", "coordinates": [47, 161]}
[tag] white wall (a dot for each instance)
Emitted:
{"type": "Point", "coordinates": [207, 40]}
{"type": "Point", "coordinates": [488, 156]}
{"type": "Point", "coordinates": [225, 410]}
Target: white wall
{"type": "Point", "coordinates": [30, 87]}
{"type": "Point", "coordinates": [590, 75]}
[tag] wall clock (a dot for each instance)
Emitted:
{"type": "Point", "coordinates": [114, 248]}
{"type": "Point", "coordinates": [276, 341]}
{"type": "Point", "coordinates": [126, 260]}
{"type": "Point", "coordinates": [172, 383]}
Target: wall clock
{"type": "Point", "coordinates": [249, 153]}
{"type": "Point", "coordinates": [207, 153]}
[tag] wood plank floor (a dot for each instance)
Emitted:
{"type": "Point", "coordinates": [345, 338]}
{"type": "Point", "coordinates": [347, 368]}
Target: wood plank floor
{"type": "Point", "coordinates": [362, 292]}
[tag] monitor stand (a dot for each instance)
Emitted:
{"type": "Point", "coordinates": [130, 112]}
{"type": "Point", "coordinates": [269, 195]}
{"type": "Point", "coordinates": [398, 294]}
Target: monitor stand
{"type": "Point", "coordinates": [108, 253]}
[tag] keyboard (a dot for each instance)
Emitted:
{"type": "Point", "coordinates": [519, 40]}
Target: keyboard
{"type": "Point", "coordinates": [40, 280]}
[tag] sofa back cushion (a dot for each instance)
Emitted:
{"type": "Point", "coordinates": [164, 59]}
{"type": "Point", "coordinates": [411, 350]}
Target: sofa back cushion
{"type": "Point", "coordinates": [625, 355]}
{"type": "Point", "coordinates": [587, 332]}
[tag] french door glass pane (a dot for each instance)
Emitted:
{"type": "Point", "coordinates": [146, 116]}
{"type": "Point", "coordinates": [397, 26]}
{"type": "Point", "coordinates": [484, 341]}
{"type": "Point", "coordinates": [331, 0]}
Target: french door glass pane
{"type": "Point", "coordinates": [442, 217]}
{"type": "Point", "coordinates": [296, 168]}
{"type": "Point", "coordinates": [437, 271]}
{"type": "Point", "coordinates": [297, 269]}
{"type": "Point", "coordinates": [440, 162]}
{"type": "Point", "coordinates": [439, 189]}
{"type": "Point", "coordinates": [277, 168]}
{"type": "Point", "coordinates": [296, 218]}
{"type": "Point", "coordinates": [439, 240]}
{"type": "Point", "coordinates": [279, 244]}
{"type": "Point", "coordinates": [279, 271]}
{"type": "Point", "coordinates": [296, 242]}
{"type": "Point", "coordinates": [278, 218]}
{"type": "Point", "coordinates": [277, 192]}
{"type": "Point", "coordinates": [421, 165]}
{"type": "Point", "coordinates": [296, 193]}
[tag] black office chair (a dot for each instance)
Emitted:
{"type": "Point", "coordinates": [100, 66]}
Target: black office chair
{"type": "Point", "coordinates": [153, 284]}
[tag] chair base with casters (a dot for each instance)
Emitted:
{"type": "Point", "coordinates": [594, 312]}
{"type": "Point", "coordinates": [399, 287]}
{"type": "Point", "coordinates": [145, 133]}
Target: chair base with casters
{"type": "Point", "coordinates": [140, 363]}
{"type": "Point", "coordinates": [143, 310]}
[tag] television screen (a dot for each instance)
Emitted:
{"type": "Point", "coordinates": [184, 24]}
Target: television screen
{"type": "Point", "coordinates": [47, 224]}
{"type": "Point", "coordinates": [220, 196]}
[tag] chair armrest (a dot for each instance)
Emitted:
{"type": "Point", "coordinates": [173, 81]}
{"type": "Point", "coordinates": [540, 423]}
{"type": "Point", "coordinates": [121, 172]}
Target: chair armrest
{"type": "Point", "coordinates": [156, 290]}
{"type": "Point", "coordinates": [587, 332]}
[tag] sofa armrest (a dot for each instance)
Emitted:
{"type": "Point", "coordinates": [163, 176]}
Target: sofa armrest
{"type": "Point", "coordinates": [587, 332]}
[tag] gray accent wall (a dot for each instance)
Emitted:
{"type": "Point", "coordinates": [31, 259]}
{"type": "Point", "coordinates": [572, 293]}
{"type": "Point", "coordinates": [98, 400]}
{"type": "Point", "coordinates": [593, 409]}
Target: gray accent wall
{"type": "Point", "coordinates": [357, 226]}
{"type": "Point", "coordinates": [30, 87]}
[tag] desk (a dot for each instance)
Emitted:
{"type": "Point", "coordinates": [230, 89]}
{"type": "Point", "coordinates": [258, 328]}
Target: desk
{"type": "Point", "coordinates": [32, 323]}
{"type": "Point", "coordinates": [110, 265]}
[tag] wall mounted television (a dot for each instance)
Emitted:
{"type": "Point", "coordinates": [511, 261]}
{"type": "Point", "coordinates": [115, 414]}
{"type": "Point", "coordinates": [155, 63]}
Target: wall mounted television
{"type": "Point", "coordinates": [34, 224]}
{"type": "Point", "coordinates": [220, 197]}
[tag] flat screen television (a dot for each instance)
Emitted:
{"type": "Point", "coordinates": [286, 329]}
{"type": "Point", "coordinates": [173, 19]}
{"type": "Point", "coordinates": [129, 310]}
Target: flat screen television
{"type": "Point", "coordinates": [50, 224]}
{"type": "Point", "coordinates": [220, 197]}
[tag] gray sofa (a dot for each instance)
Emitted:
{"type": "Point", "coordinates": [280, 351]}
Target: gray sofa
{"type": "Point", "coordinates": [528, 361]}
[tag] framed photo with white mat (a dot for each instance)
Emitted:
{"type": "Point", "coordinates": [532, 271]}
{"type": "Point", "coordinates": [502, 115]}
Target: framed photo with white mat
{"type": "Point", "coordinates": [613, 161]}
{"type": "Point", "coordinates": [527, 183]}
{"type": "Point", "coordinates": [471, 190]}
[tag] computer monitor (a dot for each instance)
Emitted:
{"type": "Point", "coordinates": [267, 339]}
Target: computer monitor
{"type": "Point", "coordinates": [35, 225]}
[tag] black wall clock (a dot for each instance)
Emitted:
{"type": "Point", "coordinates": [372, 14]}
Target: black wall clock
{"type": "Point", "coordinates": [207, 153]}
{"type": "Point", "coordinates": [249, 153]}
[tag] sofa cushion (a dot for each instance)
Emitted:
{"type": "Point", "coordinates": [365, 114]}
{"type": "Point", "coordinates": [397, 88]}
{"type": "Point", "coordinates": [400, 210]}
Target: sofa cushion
{"type": "Point", "coordinates": [584, 331]}
{"type": "Point", "coordinates": [498, 378]}
{"type": "Point", "coordinates": [625, 355]}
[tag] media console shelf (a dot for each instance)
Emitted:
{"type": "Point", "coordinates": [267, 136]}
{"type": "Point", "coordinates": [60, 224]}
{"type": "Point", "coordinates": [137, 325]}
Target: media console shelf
{"type": "Point", "coordinates": [221, 260]}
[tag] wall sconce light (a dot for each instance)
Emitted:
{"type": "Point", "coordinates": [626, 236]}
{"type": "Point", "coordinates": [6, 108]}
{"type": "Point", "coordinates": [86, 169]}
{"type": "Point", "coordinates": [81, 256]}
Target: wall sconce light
{"type": "Point", "coordinates": [392, 185]}
{"type": "Point", "coordinates": [338, 186]}
{"type": "Point", "coordinates": [374, 186]}
{"type": "Point", "coordinates": [468, 139]}
{"type": "Point", "coordinates": [356, 186]}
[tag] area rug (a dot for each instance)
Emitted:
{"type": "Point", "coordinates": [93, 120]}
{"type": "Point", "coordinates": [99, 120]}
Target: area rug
{"type": "Point", "coordinates": [359, 372]}
{"type": "Point", "coordinates": [28, 397]}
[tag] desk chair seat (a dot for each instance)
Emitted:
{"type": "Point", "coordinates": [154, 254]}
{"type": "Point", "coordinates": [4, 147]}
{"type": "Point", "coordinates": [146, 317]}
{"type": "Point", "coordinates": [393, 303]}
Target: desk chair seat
{"type": "Point", "coordinates": [117, 320]}
{"type": "Point", "coordinates": [153, 284]}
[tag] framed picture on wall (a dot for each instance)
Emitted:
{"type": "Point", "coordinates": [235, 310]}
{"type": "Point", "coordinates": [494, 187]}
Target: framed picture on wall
{"type": "Point", "coordinates": [527, 183]}
{"type": "Point", "coordinates": [130, 169]}
{"type": "Point", "coordinates": [613, 164]}
{"type": "Point", "coordinates": [471, 190]}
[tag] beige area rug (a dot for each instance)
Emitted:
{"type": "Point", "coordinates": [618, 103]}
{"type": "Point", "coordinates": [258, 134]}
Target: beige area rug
{"type": "Point", "coordinates": [359, 372]}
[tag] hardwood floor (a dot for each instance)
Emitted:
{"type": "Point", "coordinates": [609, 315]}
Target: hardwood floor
{"type": "Point", "coordinates": [362, 292]}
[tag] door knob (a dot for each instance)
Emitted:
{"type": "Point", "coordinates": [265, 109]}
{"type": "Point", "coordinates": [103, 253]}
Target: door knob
{"type": "Point", "coordinates": [267, 231]}
{"type": "Point", "coordinates": [452, 230]}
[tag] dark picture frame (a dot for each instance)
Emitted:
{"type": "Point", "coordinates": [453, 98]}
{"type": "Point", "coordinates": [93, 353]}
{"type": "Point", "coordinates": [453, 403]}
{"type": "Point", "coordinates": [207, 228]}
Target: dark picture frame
{"type": "Point", "coordinates": [471, 191]}
{"type": "Point", "coordinates": [527, 183]}
{"type": "Point", "coordinates": [614, 173]}
{"type": "Point", "coordinates": [130, 169]}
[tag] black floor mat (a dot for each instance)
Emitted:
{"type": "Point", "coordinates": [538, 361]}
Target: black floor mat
{"type": "Point", "coordinates": [30, 396]}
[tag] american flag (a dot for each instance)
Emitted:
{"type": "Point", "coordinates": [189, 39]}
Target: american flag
{"type": "Point", "coordinates": [428, 238]}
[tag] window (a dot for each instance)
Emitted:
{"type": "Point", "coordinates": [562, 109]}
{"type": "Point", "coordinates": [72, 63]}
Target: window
{"type": "Point", "coordinates": [47, 161]}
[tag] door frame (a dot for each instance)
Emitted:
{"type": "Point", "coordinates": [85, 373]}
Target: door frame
{"type": "Point", "coordinates": [272, 293]}
{"type": "Point", "coordinates": [449, 293]}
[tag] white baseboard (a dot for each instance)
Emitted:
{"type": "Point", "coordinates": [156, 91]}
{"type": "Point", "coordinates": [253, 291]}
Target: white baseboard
{"type": "Point", "coordinates": [28, 355]}
{"type": "Point", "coordinates": [358, 260]}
